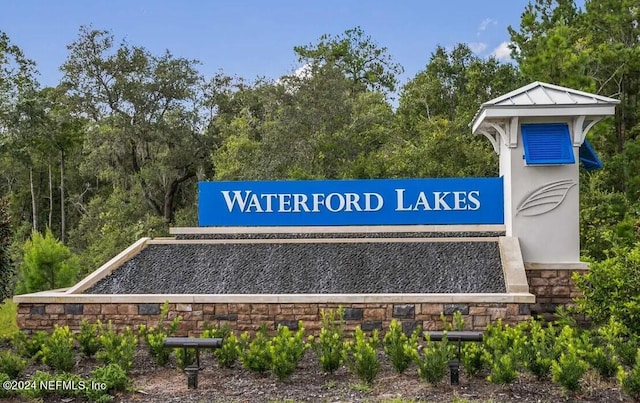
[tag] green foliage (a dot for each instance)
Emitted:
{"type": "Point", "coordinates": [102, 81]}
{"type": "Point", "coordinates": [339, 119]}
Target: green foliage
{"type": "Point", "coordinates": [569, 369]}
{"type": "Point", "coordinates": [11, 364]}
{"type": "Point", "coordinates": [329, 345]}
{"type": "Point", "coordinates": [8, 319]}
{"type": "Point", "coordinates": [185, 357]}
{"type": "Point", "coordinates": [361, 355]}
{"type": "Point", "coordinates": [286, 350]}
{"type": "Point", "coordinates": [89, 337]}
{"type": "Point", "coordinates": [47, 264]}
{"type": "Point", "coordinates": [398, 346]}
{"type": "Point", "coordinates": [227, 354]}
{"type": "Point", "coordinates": [154, 336]}
{"type": "Point", "coordinates": [603, 360]}
{"type": "Point", "coordinates": [611, 288]}
{"type": "Point", "coordinates": [472, 358]}
{"type": "Point", "coordinates": [113, 376]}
{"type": "Point", "coordinates": [354, 53]}
{"type": "Point", "coordinates": [117, 348]}
{"type": "Point", "coordinates": [7, 270]}
{"type": "Point", "coordinates": [538, 350]}
{"type": "Point", "coordinates": [254, 353]}
{"type": "Point", "coordinates": [57, 351]}
{"type": "Point", "coordinates": [433, 361]}
{"type": "Point", "coordinates": [46, 377]}
{"type": "Point", "coordinates": [30, 346]}
{"type": "Point", "coordinates": [5, 392]}
{"type": "Point", "coordinates": [503, 369]}
{"type": "Point", "coordinates": [630, 381]}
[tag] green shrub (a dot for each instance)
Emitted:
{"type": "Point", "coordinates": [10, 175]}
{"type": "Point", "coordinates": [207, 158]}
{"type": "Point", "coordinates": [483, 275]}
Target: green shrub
{"type": "Point", "coordinates": [11, 364]}
{"type": "Point", "coordinates": [432, 363]}
{"type": "Point", "coordinates": [254, 354]}
{"type": "Point", "coordinates": [569, 369]}
{"type": "Point", "coordinates": [499, 340]}
{"type": "Point", "coordinates": [30, 346]}
{"type": "Point", "coordinates": [329, 345]}
{"type": "Point", "coordinates": [603, 360]}
{"type": "Point", "coordinates": [41, 377]}
{"type": "Point", "coordinates": [5, 392]}
{"type": "Point", "coordinates": [227, 354]}
{"type": "Point", "coordinates": [8, 309]}
{"type": "Point", "coordinates": [113, 377]}
{"type": "Point", "coordinates": [117, 348]}
{"type": "Point", "coordinates": [286, 351]}
{"type": "Point", "coordinates": [89, 337]}
{"type": "Point", "coordinates": [611, 288]}
{"type": "Point", "coordinates": [631, 381]}
{"type": "Point", "coordinates": [154, 336]}
{"type": "Point", "coordinates": [503, 369]}
{"type": "Point", "coordinates": [57, 351]}
{"type": "Point", "coordinates": [472, 358]}
{"type": "Point", "coordinates": [215, 332]}
{"type": "Point", "coordinates": [395, 346]}
{"type": "Point", "coordinates": [538, 349]}
{"type": "Point", "coordinates": [185, 356]}
{"type": "Point", "coordinates": [362, 357]}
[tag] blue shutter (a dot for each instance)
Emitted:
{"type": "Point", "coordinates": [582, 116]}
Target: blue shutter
{"type": "Point", "coordinates": [589, 158]}
{"type": "Point", "coordinates": [547, 144]}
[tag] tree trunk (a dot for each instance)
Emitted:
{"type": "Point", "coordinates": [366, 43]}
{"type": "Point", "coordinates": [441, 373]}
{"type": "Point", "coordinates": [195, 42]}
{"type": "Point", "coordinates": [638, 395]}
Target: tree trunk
{"type": "Point", "coordinates": [34, 206]}
{"type": "Point", "coordinates": [63, 223]}
{"type": "Point", "coordinates": [50, 198]}
{"type": "Point", "coordinates": [170, 195]}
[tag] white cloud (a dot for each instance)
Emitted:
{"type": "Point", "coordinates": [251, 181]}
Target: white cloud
{"type": "Point", "coordinates": [485, 24]}
{"type": "Point", "coordinates": [477, 47]}
{"type": "Point", "coordinates": [502, 52]}
{"type": "Point", "coordinates": [303, 71]}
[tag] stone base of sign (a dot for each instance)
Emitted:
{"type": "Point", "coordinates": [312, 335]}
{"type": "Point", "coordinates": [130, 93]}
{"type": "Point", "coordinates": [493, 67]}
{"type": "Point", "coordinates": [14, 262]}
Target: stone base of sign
{"type": "Point", "coordinates": [553, 288]}
{"type": "Point", "coordinates": [250, 316]}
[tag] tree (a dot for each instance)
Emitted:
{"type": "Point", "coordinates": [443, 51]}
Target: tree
{"type": "Point", "coordinates": [48, 264]}
{"type": "Point", "coordinates": [367, 65]}
{"type": "Point", "coordinates": [7, 270]}
{"type": "Point", "coordinates": [147, 128]}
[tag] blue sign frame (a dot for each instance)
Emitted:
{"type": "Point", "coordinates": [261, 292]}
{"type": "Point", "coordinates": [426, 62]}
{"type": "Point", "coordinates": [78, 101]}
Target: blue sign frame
{"type": "Point", "coordinates": [351, 202]}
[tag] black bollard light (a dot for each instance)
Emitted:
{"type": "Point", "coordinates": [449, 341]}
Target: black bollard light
{"type": "Point", "coordinates": [192, 376]}
{"type": "Point", "coordinates": [454, 368]}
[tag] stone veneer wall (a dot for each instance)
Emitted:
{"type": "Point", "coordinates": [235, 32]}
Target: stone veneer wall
{"type": "Point", "coordinates": [552, 288]}
{"type": "Point", "coordinates": [241, 317]}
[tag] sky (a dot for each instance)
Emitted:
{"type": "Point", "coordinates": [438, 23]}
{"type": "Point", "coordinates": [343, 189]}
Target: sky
{"type": "Point", "coordinates": [252, 38]}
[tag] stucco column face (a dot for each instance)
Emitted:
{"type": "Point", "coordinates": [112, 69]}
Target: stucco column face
{"type": "Point", "coordinates": [541, 197]}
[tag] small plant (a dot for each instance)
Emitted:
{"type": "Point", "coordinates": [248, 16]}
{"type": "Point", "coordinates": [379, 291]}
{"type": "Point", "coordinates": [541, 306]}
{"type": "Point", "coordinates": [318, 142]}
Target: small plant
{"type": "Point", "coordinates": [117, 348]}
{"type": "Point", "coordinates": [154, 336]}
{"type": "Point", "coordinates": [329, 345]}
{"type": "Point", "coordinates": [57, 351]}
{"type": "Point", "coordinates": [286, 351]}
{"type": "Point", "coordinates": [631, 381]}
{"type": "Point", "coordinates": [362, 357]}
{"type": "Point", "coordinates": [89, 337]}
{"type": "Point", "coordinates": [472, 358]}
{"type": "Point", "coordinates": [30, 347]}
{"type": "Point", "coordinates": [185, 356]}
{"type": "Point", "coordinates": [569, 369]}
{"type": "Point", "coordinates": [503, 370]}
{"type": "Point", "coordinates": [395, 344]}
{"type": "Point", "coordinates": [432, 363]}
{"type": "Point", "coordinates": [227, 354]}
{"type": "Point", "coordinates": [113, 377]}
{"type": "Point", "coordinates": [254, 354]}
{"type": "Point", "coordinates": [5, 392]}
{"type": "Point", "coordinates": [603, 360]}
{"type": "Point", "coordinates": [539, 350]}
{"type": "Point", "coordinates": [457, 322]}
{"type": "Point", "coordinates": [11, 364]}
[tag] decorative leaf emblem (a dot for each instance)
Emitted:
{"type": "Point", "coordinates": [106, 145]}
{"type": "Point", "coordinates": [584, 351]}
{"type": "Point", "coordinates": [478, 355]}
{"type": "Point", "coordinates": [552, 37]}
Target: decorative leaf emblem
{"type": "Point", "coordinates": [545, 198]}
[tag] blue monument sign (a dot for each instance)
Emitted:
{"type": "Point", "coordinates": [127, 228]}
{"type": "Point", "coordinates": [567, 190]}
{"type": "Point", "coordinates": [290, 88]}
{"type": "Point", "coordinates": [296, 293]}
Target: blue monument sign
{"type": "Point", "coordinates": [351, 202]}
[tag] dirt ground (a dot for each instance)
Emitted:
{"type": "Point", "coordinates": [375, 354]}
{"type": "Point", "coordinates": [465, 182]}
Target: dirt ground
{"type": "Point", "coordinates": [309, 384]}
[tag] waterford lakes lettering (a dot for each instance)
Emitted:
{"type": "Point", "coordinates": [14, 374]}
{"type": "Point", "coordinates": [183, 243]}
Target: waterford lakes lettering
{"type": "Point", "coordinates": [248, 201]}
